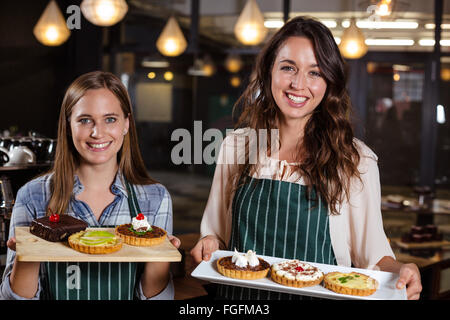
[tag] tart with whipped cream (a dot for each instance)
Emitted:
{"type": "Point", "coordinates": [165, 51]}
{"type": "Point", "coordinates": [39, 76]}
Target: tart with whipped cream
{"type": "Point", "coordinates": [140, 233]}
{"type": "Point", "coordinates": [295, 273]}
{"type": "Point", "coordinates": [353, 283]}
{"type": "Point", "coordinates": [243, 266]}
{"type": "Point", "coordinates": [95, 242]}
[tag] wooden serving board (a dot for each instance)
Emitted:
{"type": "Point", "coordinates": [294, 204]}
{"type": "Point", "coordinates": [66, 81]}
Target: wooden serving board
{"type": "Point", "coordinates": [422, 245]}
{"type": "Point", "coordinates": [32, 248]}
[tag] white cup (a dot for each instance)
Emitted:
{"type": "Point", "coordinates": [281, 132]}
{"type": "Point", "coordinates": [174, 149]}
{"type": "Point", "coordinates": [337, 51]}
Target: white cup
{"type": "Point", "coordinates": [20, 155]}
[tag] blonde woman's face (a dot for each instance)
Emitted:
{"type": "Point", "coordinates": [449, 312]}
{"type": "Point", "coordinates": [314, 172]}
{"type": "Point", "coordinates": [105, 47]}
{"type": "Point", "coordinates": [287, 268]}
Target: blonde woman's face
{"type": "Point", "coordinates": [98, 126]}
{"type": "Point", "coordinates": [297, 84]}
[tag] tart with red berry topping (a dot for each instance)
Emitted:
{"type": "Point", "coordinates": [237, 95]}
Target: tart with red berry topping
{"type": "Point", "coordinates": [140, 233]}
{"type": "Point", "coordinates": [295, 273]}
{"type": "Point", "coordinates": [243, 266]}
{"type": "Point", "coordinates": [353, 283]}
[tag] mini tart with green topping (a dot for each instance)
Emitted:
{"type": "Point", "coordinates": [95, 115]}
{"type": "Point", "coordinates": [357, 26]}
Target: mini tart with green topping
{"type": "Point", "coordinates": [353, 283]}
{"type": "Point", "coordinates": [151, 237]}
{"type": "Point", "coordinates": [95, 242]}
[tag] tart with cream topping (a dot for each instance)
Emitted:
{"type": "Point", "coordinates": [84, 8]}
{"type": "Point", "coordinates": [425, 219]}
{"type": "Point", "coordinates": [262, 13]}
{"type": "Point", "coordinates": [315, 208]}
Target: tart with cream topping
{"type": "Point", "coordinates": [243, 266]}
{"type": "Point", "coordinates": [140, 233]}
{"type": "Point", "coordinates": [295, 273]}
{"type": "Point", "coordinates": [95, 242]}
{"type": "Point", "coordinates": [353, 283]}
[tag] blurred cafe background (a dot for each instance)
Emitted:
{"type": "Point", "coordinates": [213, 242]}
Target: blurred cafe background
{"type": "Point", "coordinates": [185, 61]}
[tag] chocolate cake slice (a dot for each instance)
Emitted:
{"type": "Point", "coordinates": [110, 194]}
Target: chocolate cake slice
{"type": "Point", "coordinates": [57, 231]}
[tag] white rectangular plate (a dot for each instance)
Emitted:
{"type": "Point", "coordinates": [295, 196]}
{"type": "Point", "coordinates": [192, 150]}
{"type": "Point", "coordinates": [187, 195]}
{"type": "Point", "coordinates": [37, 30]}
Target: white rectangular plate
{"type": "Point", "coordinates": [207, 270]}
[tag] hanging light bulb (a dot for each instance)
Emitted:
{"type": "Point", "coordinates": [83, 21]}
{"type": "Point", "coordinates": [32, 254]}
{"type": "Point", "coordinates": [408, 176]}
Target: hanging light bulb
{"type": "Point", "coordinates": [104, 13]}
{"type": "Point", "coordinates": [208, 67]}
{"type": "Point", "coordinates": [233, 63]}
{"type": "Point", "coordinates": [171, 41]}
{"type": "Point", "coordinates": [249, 28]}
{"type": "Point", "coordinates": [51, 28]}
{"type": "Point", "coordinates": [384, 8]}
{"type": "Point", "coordinates": [353, 44]}
{"type": "Point", "coordinates": [235, 81]}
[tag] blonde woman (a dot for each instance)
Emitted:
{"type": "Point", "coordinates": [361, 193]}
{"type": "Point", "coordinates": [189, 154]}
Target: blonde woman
{"type": "Point", "coordinates": [97, 158]}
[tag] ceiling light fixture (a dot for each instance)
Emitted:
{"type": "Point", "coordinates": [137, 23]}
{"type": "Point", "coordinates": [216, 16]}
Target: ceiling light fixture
{"type": "Point", "coordinates": [384, 8]}
{"type": "Point", "coordinates": [51, 29]}
{"type": "Point", "coordinates": [273, 24]}
{"type": "Point", "coordinates": [233, 63]}
{"type": "Point", "coordinates": [104, 13]}
{"type": "Point", "coordinates": [389, 42]}
{"type": "Point", "coordinates": [430, 42]}
{"type": "Point", "coordinates": [249, 28]}
{"type": "Point", "coordinates": [171, 41]}
{"type": "Point", "coordinates": [432, 25]}
{"type": "Point", "coordinates": [331, 24]}
{"type": "Point", "coordinates": [352, 45]}
{"type": "Point", "coordinates": [368, 24]}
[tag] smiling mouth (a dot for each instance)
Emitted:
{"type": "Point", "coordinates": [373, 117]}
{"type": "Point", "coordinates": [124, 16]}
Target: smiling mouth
{"type": "Point", "coordinates": [98, 146]}
{"type": "Point", "coordinates": [296, 99]}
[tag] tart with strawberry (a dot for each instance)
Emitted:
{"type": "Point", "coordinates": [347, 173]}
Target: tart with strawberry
{"type": "Point", "coordinates": [140, 233]}
{"type": "Point", "coordinates": [295, 273]}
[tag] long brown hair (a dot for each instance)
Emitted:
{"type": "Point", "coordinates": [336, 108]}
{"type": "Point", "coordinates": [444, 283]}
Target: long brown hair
{"type": "Point", "coordinates": [329, 157]}
{"type": "Point", "coordinates": [67, 159]}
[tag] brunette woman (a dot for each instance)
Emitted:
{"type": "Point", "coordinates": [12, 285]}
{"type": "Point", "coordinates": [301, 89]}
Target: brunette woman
{"type": "Point", "coordinates": [317, 196]}
{"type": "Point", "coordinates": [97, 159]}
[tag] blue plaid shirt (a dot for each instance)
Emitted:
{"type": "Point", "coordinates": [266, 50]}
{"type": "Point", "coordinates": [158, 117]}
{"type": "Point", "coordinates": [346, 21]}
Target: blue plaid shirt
{"type": "Point", "coordinates": [31, 203]}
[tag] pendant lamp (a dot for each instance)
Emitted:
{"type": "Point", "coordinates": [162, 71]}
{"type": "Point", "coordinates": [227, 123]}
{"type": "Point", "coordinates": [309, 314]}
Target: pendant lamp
{"type": "Point", "coordinates": [51, 28]}
{"type": "Point", "coordinates": [384, 8]}
{"type": "Point", "coordinates": [171, 41]}
{"type": "Point", "coordinates": [249, 28]}
{"type": "Point", "coordinates": [104, 13]}
{"type": "Point", "coordinates": [208, 67]}
{"type": "Point", "coordinates": [353, 44]}
{"type": "Point", "coordinates": [233, 63]}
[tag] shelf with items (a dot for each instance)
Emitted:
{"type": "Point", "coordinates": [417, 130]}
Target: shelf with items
{"type": "Point", "coordinates": [26, 167]}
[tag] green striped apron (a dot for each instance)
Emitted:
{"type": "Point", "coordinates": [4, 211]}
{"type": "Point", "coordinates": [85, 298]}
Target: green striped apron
{"type": "Point", "coordinates": [94, 280]}
{"type": "Point", "coordinates": [277, 218]}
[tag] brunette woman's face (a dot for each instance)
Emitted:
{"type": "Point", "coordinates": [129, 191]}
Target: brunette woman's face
{"type": "Point", "coordinates": [297, 84]}
{"type": "Point", "coordinates": [98, 127]}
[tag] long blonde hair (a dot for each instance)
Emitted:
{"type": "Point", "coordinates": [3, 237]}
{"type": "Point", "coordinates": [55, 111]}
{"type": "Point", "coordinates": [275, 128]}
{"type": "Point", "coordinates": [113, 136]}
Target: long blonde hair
{"type": "Point", "coordinates": [67, 159]}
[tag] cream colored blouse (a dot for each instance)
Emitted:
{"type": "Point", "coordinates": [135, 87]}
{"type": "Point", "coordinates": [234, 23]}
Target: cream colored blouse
{"type": "Point", "coordinates": [357, 233]}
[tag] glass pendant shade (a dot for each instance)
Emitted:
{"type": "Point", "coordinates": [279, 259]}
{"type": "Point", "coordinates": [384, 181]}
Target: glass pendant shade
{"type": "Point", "coordinates": [171, 41]}
{"type": "Point", "coordinates": [51, 28]}
{"type": "Point", "coordinates": [104, 13]}
{"type": "Point", "coordinates": [249, 28]}
{"type": "Point", "coordinates": [233, 63]}
{"type": "Point", "coordinates": [384, 8]}
{"type": "Point", "coordinates": [208, 67]}
{"type": "Point", "coordinates": [353, 44]}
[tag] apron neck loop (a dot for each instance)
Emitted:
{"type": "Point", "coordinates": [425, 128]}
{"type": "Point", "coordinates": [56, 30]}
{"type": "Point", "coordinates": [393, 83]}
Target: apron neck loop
{"type": "Point", "coordinates": [132, 200]}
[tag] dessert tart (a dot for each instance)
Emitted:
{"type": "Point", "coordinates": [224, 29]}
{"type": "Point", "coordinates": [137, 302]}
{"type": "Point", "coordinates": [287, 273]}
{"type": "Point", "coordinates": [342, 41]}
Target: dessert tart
{"type": "Point", "coordinates": [95, 242]}
{"type": "Point", "coordinates": [140, 233]}
{"type": "Point", "coordinates": [243, 266]}
{"type": "Point", "coordinates": [353, 283]}
{"type": "Point", "coordinates": [295, 273]}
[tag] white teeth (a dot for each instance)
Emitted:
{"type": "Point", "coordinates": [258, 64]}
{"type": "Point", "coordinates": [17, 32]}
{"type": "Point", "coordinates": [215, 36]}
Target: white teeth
{"type": "Point", "coordinates": [98, 146]}
{"type": "Point", "coordinates": [297, 99]}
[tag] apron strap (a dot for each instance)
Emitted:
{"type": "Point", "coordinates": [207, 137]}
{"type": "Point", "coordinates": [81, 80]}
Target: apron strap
{"type": "Point", "coordinates": [132, 200]}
